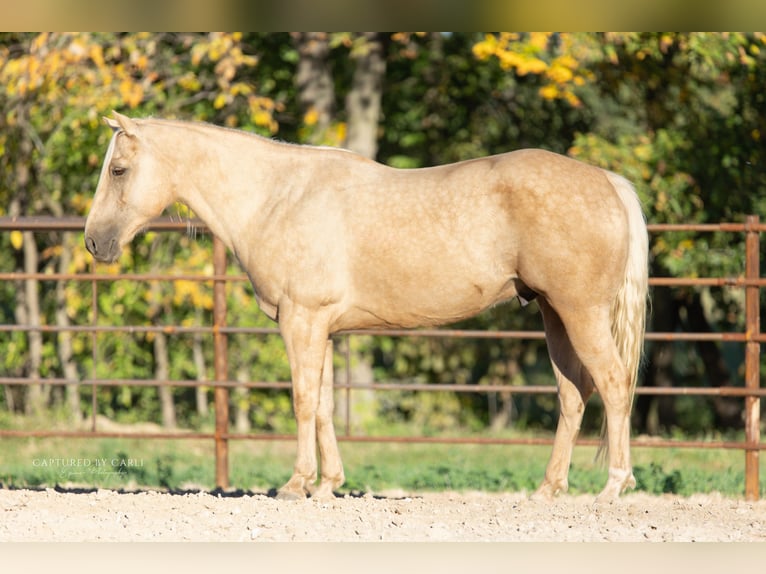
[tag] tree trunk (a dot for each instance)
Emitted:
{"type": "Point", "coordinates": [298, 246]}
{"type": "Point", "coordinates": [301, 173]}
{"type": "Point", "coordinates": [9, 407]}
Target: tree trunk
{"type": "Point", "coordinates": [242, 402]}
{"type": "Point", "coordinates": [162, 361]}
{"type": "Point", "coordinates": [28, 313]}
{"type": "Point", "coordinates": [316, 89]}
{"type": "Point", "coordinates": [363, 100]}
{"type": "Point", "coordinates": [162, 374]}
{"type": "Point", "coordinates": [501, 415]}
{"type": "Point", "coordinates": [68, 366]}
{"type": "Point", "coordinates": [201, 398]}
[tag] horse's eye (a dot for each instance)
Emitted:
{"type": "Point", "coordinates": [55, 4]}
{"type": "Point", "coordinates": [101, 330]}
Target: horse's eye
{"type": "Point", "coordinates": [117, 171]}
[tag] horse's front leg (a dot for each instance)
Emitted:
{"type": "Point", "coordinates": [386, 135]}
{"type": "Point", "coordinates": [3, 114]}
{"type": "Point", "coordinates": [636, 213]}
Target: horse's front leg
{"type": "Point", "coordinates": [332, 466]}
{"type": "Point", "coordinates": [306, 339]}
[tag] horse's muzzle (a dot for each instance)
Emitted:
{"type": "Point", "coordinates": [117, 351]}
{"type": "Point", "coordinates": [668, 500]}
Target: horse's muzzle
{"type": "Point", "coordinates": [104, 251]}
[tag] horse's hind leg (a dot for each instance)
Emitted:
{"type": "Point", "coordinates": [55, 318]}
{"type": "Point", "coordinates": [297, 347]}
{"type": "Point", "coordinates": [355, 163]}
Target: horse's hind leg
{"type": "Point", "coordinates": [575, 386]}
{"type": "Point", "coordinates": [589, 331]}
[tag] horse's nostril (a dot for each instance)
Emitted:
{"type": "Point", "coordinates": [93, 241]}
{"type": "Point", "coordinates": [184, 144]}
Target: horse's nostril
{"type": "Point", "coordinates": [90, 245]}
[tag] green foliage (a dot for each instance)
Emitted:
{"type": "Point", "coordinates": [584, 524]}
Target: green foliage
{"type": "Point", "coordinates": [654, 480]}
{"type": "Point", "coordinates": [260, 466]}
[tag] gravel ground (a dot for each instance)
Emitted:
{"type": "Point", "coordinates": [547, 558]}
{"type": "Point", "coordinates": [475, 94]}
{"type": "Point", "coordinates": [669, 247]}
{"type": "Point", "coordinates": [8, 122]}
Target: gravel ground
{"type": "Point", "coordinates": [106, 515]}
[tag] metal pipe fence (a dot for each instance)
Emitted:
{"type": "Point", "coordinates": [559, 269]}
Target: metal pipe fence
{"type": "Point", "coordinates": [750, 280]}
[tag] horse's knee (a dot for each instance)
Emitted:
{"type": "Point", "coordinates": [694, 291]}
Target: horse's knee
{"type": "Point", "coordinates": [305, 408]}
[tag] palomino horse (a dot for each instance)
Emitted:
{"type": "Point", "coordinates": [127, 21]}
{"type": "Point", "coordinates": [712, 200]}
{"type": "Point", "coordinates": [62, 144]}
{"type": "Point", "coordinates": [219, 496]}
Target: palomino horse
{"type": "Point", "coordinates": [333, 241]}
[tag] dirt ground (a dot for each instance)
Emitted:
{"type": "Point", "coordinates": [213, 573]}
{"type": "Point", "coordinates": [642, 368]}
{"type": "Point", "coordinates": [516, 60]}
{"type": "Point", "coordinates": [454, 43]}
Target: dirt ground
{"type": "Point", "coordinates": [105, 515]}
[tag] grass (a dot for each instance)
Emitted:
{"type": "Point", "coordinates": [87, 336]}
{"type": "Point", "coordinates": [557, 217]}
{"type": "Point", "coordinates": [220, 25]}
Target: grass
{"type": "Point", "coordinates": [370, 467]}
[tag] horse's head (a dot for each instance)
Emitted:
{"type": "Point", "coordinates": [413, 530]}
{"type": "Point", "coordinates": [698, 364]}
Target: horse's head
{"type": "Point", "coordinates": [132, 189]}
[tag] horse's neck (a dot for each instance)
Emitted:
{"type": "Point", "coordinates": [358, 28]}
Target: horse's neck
{"type": "Point", "coordinates": [227, 178]}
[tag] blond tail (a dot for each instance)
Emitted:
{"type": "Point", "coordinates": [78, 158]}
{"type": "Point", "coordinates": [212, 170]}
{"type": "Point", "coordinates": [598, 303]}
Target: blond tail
{"type": "Point", "coordinates": [629, 308]}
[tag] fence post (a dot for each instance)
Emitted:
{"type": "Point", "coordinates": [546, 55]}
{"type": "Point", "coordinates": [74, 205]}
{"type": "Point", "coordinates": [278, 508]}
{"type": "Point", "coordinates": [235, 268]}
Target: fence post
{"type": "Point", "coordinates": [752, 358]}
{"type": "Point", "coordinates": [94, 344]}
{"type": "Point", "coordinates": [220, 347]}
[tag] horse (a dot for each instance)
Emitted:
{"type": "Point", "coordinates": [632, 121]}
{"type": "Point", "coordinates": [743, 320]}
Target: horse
{"type": "Point", "coordinates": [333, 241]}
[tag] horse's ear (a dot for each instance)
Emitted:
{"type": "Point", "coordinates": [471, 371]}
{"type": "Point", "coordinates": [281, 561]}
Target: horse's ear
{"type": "Point", "coordinates": [121, 122]}
{"type": "Point", "coordinates": [111, 123]}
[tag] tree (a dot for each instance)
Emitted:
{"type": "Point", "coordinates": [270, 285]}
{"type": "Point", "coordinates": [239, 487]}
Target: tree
{"type": "Point", "coordinates": [314, 82]}
{"type": "Point", "coordinates": [363, 101]}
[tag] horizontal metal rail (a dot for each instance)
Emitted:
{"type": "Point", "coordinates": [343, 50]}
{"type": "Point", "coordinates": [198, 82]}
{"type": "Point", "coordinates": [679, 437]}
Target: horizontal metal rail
{"type": "Point", "coordinates": [270, 437]}
{"type": "Point", "coordinates": [732, 337]}
{"type": "Point", "coordinates": [416, 387]}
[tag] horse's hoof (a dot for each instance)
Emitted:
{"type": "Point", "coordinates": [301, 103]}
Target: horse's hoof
{"type": "Point", "coordinates": [548, 491]}
{"type": "Point", "coordinates": [323, 493]}
{"type": "Point", "coordinates": [541, 496]}
{"type": "Point", "coordinates": [290, 495]}
{"type": "Point", "coordinates": [619, 481]}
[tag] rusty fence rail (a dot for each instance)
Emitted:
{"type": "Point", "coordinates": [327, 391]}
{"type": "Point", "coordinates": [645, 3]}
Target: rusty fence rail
{"type": "Point", "coordinates": [750, 280]}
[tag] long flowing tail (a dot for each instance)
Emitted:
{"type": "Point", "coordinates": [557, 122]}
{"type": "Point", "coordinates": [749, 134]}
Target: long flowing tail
{"type": "Point", "coordinates": [629, 308]}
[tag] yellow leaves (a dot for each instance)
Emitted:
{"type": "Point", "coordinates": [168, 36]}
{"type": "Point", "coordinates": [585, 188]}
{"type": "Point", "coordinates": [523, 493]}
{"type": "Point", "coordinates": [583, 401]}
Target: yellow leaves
{"type": "Point", "coordinates": [511, 54]}
{"type": "Point", "coordinates": [226, 51]}
{"type": "Point", "coordinates": [486, 48]}
{"type": "Point", "coordinates": [189, 82]}
{"type": "Point", "coordinates": [523, 65]}
{"type": "Point", "coordinates": [644, 151]}
{"type": "Point", "coordinates": [39, 42]}
{"type": "Point", "coordinates": [219, 45]}
{"type": "Point", "coordinates": [228, 95]}
{"type": "Point", "coordinates": [333, 135]}
{"type": "Point", "coordinates": [538, 40]}
{"type": "Point", "coordinates": [533, 54]}
{"type": "Point", "coordinates": [195, 293]}
{"type": "Point", "coordinates": [661, 202]}
{"type": "Point", "coordinates": [311, 117]}
{"type": "Point", "coordinates": [80, 70]}
{"type": "Point", "coordinates": [97, 55]}
{"type": "Point", "coordinates": [17, 239]}
{"type": "Point", "coordinates": [198, 53]}
{"type": "Point", "coordinates": [76, 51]}
{"type": "Point", "coordinates": [262, 112]}
{"type": "Point", "coordinates": [96, 72]}
{"type": "Point", "coordinates": [563, 68]}
{"type": "Point", "coordinates": [131, 92]}
{"type": "Point", "coordinates": [220, 101]}
{"type": "Point", "coordinates": [662, 246]}
{"type": "Point", "coordinates": [549, 92]}
{"type": "Point", "coordinates": [340, 131]}
{"type": "Point", "coordinates": [560, 74]}
{"type": "Point", "coordinates": [240, 88]}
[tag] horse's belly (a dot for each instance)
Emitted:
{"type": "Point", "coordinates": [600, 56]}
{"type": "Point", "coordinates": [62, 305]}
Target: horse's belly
{"type": "Point", "coordinates": [426, 303]}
